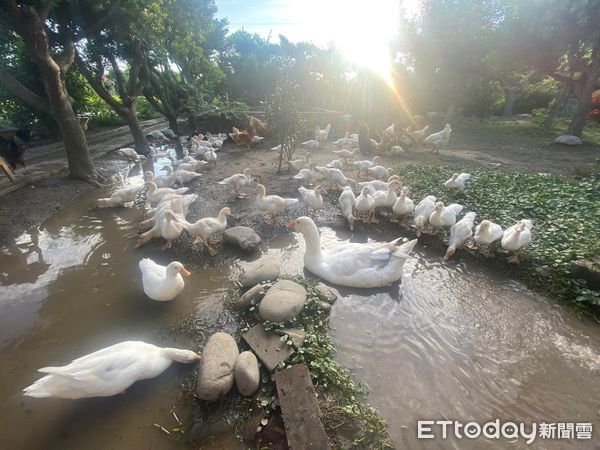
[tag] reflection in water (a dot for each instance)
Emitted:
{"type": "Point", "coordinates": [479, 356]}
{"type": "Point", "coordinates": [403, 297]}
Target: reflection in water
{"type": "Point", "coordinates": [449, 341]}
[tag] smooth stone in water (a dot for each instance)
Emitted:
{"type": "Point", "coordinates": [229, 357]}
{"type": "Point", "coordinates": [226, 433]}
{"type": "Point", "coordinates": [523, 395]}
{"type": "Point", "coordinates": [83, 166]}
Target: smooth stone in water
{"type": "Point", "coordinates": [249, 297]}
{"type": "Point", "coordinates": [215, 372]}
{"type": "Point", "coordinates": [244, 237]}
{"type": "Point", "coordinates": [264, 271]}
{"type": "Point", "coordinates": [247, 374]}
{"type": "Point", "coordinates": [324, 290]}
{"type": "Point", "coordinates": [284, 301]}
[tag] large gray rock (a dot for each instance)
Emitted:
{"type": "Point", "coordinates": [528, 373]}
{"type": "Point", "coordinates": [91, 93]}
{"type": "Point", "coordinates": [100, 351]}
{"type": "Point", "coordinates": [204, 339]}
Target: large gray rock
{"type": "Point", "coordinates": [244, 237]}
{"type": "Point", "coordinates": [247, 374]}
{"type": "Point", "coordinates": [169, 134]}
{"type": "Point", "coordinates": [260, 272]}
{"type": "Point", "coordinates": [283, 301]}
{"type": "Point", "coordinates": [568, 139]}
{"type": "Point", "coordinates": [250, 296]}
{"type": "Point", "coordinates": [215, 373]}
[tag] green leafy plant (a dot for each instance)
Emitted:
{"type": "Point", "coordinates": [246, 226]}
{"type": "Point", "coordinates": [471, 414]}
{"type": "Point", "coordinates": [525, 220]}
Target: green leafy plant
{"type": "Point", "coordinates": [565, 214]}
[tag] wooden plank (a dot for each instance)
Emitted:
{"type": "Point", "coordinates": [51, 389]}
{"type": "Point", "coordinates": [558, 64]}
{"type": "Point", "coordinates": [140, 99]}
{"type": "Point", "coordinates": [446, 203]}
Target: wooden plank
{"type": "Point", "coordinates": [7, 170]}
{"type": "Point", "coordinates": [300, 410]}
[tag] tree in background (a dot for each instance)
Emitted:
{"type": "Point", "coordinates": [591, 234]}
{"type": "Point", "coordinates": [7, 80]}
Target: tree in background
{"type": "Point", "coordinates": [560, 38]}
{"type": "Point", "coordinates": [49, 36]}
{"type": "Point", "coordinates": [183, 54]}
{"type": "Point", "coordinates": [125, 40]}
{"type": "Point", "coordinates": [283, 115]}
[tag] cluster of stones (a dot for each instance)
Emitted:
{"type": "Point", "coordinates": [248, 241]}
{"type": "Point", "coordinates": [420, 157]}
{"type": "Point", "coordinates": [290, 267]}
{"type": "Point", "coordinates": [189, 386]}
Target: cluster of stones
{"type": "Point", "coordinates": [222, 364]}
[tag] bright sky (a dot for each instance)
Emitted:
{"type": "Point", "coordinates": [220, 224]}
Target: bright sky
{"type": "Point", "coordinates": [361, 29]}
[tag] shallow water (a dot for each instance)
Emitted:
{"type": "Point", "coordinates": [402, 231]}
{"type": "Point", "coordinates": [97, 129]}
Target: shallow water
{"type": "Point", "coordinates": [452, 341]}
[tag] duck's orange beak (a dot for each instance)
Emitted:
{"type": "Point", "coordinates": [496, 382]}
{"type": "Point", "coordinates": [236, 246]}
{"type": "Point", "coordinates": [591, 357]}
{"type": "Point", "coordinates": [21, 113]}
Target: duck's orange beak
{"type": "Point", "coordinates": [185, 272]}
{"type": "Point", "coordinates": [291, 226]}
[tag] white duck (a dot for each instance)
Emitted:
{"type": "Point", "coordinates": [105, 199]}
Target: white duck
{"type": "Point", "coordinates": [379, 172]}
{"type": "Point", "coordinates": [369, 265]}
{"type": "Point", "coordinates": [322, 135]}
{"type": "Point", "coordinates": [121, 196]}
{"type": "Point", "coordinates": [181, 176]}
{"type": "Point", "coordinates": [422, 212]}
{"type": "Point", "coordinates": [335, 176]}
{"type": "Point", "coordinates": [238, 181]}
{"type": "Point", "coordinates": [386, 199]}
{"type": "Point", "coordinates": [439, 139]}
{"type": "Point", "coordinates": [418, 135]}
{"type": "Point", "coordinates": [459, 233]}
{"type": "Point", "coordinates": [457, 181]}
{"type": "Point", "coordinates": [486, 233]}
{"type": "Point", "coordinates": [313, 144]}
{"type": "Point", "coordinates": [211, 157]}
{"type": "Point", "coordinates": [377, 185]}
{"type": "Point", "coordinates": [335, 164]}
{"type": "Point", "coordinates": [312, 199]}
{"type": "Point", "coordinates": [169, 202]}
{"type": "Point", "coordinates": [346, 141]}
{"type": "Point", "coordinates": [162, 283]}
{"type": "Point", "coordinates": [256, 140]}
{"type": "Point", "coordinates": [166, 224]}
{"type": "Point", "coordinates": [346, 154]}
{"type": "Point", "coordinates": [204, 228]}
{"type": "Point", "coordinates": [301, 163]}
{"type": "Point", "coordinates": [108, 371]}
{"type": "Point", "coordinates": [347, 201]}
{"type": "Point", "coordinates": [444, 216]}
{"type": "Point", "coordinates": [272, 205]}
{"type": "Point", "coordinates": [515, 238]}
{"type": "Point", "coordinates": [365, 203]}
{"type": "Point", "coordinates": [130, 154]}
{"type": "Point", "coordinates": [154, 195]}
{"type": "Point", "coordinates": [305, 175]}
{"type": "Point", "coordinates": [365, 164]}
{"type": "Point", "coordinates": [397, 150]}
{"type": "Point", "coordinates": [403, 205]}
{"type": "Point", "coordinates": [192, 166]}
{"type": "Point", "coordinates": [161, 181]}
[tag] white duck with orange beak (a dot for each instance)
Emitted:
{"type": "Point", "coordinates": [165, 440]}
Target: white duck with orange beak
{"type": "Point", "coordinates": [162, 283]}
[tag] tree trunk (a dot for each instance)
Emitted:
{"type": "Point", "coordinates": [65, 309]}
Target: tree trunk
{"type": "Point", "coordinates": [139, 138]}
{"type": "Point", "coordinates": [557, 106]}
{"type": "Point", "coordinates": [173, 124]}
{"type": "Point", "coordinates": [510, 95]}
{"type": "Point", "coordinates": [584, 87]}
{"type": "Point", "coordinates": [30, 27]}
{"type": "Point", "coordinates": [78, 157]}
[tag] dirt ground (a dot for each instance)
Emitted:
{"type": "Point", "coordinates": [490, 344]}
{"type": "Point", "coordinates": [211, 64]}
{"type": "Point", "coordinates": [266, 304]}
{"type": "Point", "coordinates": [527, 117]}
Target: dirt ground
{"type": "Point", "coordinates": [508, 147]}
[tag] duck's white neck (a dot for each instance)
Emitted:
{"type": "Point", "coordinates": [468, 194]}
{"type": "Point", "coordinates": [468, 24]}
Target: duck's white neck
{"type": "Point", "coordinates": [313, 242]}
{"type": "Point", "coordinates": [222, 217]}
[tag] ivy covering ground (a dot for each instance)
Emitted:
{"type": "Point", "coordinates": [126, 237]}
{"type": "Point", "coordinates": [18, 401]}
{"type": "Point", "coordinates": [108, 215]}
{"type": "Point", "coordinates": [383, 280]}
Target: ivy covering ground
{"type": "Point", "coordinates": [348, 421]}
{"type": "Point", "coordinates": [565, 215]}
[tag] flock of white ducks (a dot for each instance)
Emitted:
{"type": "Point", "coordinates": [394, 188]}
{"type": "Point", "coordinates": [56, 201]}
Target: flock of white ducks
{"type": "Point", "coordinates": [363, 265]}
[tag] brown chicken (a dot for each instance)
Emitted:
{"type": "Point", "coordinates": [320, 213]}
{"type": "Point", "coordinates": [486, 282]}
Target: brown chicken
{"type": "Point", "coordinates": [258, 127]}
{"type": "Point", "coordinates": [241, 138]}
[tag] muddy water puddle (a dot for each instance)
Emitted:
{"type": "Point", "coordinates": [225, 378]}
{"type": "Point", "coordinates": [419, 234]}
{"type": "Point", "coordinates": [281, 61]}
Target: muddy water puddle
{"type": "Point", "coordinates": [452, 341]}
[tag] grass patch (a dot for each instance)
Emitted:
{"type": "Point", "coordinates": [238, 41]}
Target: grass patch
{"type": "Point", "coordinates": [348, 421]}
{"type": "Point", "coordinates": [565, 214]}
